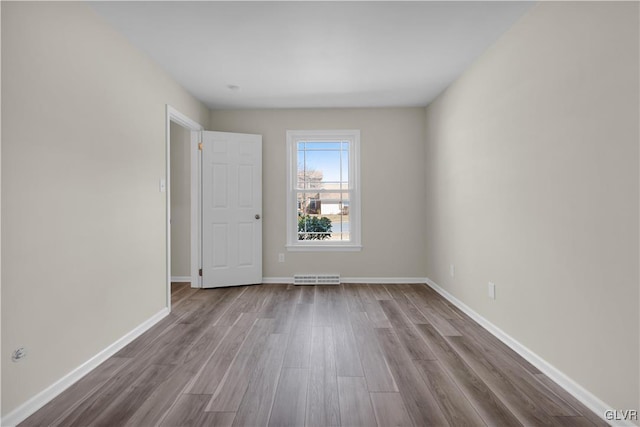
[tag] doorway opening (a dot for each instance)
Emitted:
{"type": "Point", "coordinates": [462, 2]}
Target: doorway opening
{"type": "Point", "coordinates": [182, 200]}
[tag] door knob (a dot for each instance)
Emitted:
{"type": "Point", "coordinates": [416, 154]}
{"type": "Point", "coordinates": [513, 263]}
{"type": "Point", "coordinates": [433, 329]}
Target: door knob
{"type": "Point", "coordinates": [257, 216]}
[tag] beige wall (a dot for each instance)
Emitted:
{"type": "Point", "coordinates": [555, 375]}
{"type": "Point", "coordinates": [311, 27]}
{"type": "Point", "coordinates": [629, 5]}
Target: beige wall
{"type": "Point", "coordinates": [83, 221]}
{"type": "Point", "coordinates": [531, 178]}
{"type": "Point", "coordinates": [532, 182]}
{"type": "Point", "coordinates": [393, 199]}
{"type": "Point", "coordinates": [180, 201]}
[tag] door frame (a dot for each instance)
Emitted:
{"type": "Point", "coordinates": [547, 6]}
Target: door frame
{"type": "Point", "coordinates": [175, 116]}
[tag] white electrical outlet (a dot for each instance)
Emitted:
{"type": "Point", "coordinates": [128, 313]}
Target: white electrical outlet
{"type": "Point", "coordinates": [492, 290]}
{"type": "Point", "coordinates": [280, 257]}
{"type": "Point", "coordinates": [452, 270]}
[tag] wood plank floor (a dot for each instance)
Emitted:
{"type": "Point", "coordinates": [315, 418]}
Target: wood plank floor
{"type": "Point", "coordinates": [279, 355]}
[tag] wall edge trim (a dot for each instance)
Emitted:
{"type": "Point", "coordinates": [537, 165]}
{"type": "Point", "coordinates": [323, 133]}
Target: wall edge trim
{"type": "Point", "coordinates": [36, 402]}
{"type": "Point", "coordinates": [369, 280]}
{"type": "Point", "coordinates": [585, 397]}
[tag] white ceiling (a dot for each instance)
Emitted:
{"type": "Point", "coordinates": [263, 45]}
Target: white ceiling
{"type": "Point", "coordinates": [313, 54]}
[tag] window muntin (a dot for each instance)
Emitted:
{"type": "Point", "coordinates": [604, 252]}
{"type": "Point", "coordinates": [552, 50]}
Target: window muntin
{"type": "Point", "coordinates": [323, 209]}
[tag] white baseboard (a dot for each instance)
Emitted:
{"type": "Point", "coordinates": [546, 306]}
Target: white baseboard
{"type": "Point", "coordinates": [584, 396]}
{"type": "Point", "coordinates": [384, 280]}
{"type": "Point", "coordinates": [371, 280]}
{"type": "Point", "coordinates": [181, 279]}
{"type": "Point", "coordinates": [589, 400]}
{"type": "Point", "coordinates": [286, 280]}
{"type": "Point", "coordinates": [25, 410]}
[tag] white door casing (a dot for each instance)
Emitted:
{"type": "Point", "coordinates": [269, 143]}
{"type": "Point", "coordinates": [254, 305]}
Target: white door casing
{"type": "Point", "coordinates": [231, 209]}
{"type": "Point", "coordinates": [173, 115]}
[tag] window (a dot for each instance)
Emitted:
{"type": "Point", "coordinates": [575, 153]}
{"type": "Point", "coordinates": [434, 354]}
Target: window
{"type": "Point", "coordinates": [323, 203]}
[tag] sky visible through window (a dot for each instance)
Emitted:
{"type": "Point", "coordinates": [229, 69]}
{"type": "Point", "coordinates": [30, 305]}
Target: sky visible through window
{"type": "Point", "coordinates": [330, 158]}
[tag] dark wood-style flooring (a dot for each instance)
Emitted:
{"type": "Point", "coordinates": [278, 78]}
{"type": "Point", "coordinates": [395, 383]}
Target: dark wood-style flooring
{"type": "Point", "coordinates": [279, 355]}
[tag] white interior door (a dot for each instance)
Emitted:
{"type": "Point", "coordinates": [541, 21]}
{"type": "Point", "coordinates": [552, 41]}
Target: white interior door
{"type": "Point", "coordinates": [231, 209]}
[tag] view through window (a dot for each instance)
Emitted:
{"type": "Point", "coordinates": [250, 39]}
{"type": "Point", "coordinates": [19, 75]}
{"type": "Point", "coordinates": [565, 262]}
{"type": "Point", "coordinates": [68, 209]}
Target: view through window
{"type": "Point", "coordinates": [323, 190]}
{"type": "Point", "coordinates": [323, 187]}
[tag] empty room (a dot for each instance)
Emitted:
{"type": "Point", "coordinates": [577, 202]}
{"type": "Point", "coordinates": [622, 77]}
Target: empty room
{"type": "Point", "coordinates": [419, 213]}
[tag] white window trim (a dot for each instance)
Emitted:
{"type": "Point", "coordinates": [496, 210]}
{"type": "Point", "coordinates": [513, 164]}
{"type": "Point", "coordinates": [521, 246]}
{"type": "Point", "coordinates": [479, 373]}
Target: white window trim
{"type": "Point", "coordinates": [355, 209]}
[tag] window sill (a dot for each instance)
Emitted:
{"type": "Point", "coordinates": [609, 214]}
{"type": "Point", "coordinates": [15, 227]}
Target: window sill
{"type": "Point", "coordinates": [324, 248]}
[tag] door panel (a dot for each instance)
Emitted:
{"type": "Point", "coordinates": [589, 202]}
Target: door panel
{"type": "Point", "coordinates": [219, 186]}
{"type": "Point", "coordinates": [246, 233]}
{"type": "Point", "coordinates": [231, 209]}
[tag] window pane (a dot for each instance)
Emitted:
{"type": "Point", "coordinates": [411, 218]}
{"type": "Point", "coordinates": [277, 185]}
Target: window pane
{"type": "Point", "coordinates": [345, 168]}
{"type": "Point", "coordinates": [323, 165]}
{"type": "Point", "coordinates": [323, 216]}
{"type": "Point", "coordinates": [316, 145]}
{"type": "Point", "coordinates": [307, 177]}
{"type": "Point", "coordinates": [300, 174]}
